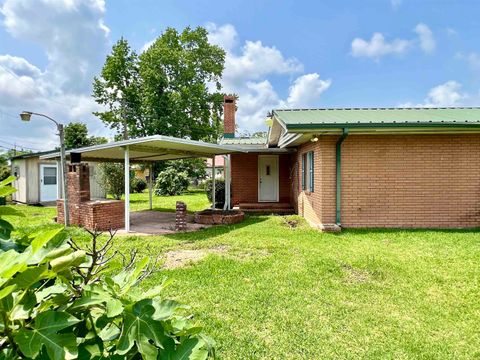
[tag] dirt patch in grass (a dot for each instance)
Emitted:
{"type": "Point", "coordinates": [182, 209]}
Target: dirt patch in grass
{"type": "Point", "coordinates": [354, 275]}
{"type": "Point", "coordinates": [179, 258]}
{"type": "Point", "coordinates": [184, 257]}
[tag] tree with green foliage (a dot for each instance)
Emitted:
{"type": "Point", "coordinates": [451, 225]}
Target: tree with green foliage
{"type": "Point", "coordinates": [5, 170]}
{"type": "Point", "coordinates": [59, 300]}
{"type": "Point", "coordinates": [171, 182]}
{"type": "Point", "coordinates": [166, 90]}
{"type": "Point", "coordinates": [112, 179]}
{"type": "Point", "coordinates": [76, 136]}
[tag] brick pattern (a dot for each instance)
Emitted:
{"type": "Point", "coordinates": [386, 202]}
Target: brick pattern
{"type": "Point", "coordinates": [180, 216]}
{"type": "Point", "coordinates": [101, 215]}
{"type": "Point", "coordinates": [406, 181]}
{"type": "Point", "coordinates": [229, 115]}
{"type": "Point", "coordinates": [244, 168]}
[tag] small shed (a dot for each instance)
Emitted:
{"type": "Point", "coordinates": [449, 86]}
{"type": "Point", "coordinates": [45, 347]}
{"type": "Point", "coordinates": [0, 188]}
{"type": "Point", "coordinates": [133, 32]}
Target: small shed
{"type": "Point", "coordinates": [38, 181]}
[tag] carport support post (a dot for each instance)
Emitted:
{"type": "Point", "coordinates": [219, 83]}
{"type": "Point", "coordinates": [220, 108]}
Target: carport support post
{"type": "Point", "coordinates": [227, 205]}
{"type": "Point", "coordinates": [127, 189]}
{"type": "Point", "coordinates": [150, 179]}
{"type": "Point", "coordinates": [213, 182]}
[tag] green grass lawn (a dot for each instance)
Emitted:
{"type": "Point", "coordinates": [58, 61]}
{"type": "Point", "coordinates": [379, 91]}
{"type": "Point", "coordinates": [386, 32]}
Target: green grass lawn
{"type": "Point", "coordinates": [277, 292]}
{"type": "Point", "coordinates": [196, 200]}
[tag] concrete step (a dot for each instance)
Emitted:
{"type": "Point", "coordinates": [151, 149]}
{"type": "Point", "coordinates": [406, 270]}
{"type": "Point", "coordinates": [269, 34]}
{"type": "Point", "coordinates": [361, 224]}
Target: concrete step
{"type": "Point", "coordinates": [265, 205]}
{"type": "Point", "coordinates": [267, 208]}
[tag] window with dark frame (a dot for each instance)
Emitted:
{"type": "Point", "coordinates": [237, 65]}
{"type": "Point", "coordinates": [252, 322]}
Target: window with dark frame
{"type": "Point", "coordinates": [308, 171]}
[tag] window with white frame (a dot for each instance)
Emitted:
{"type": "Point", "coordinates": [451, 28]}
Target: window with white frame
{"type": "Point", "coordinates": [308, 171]}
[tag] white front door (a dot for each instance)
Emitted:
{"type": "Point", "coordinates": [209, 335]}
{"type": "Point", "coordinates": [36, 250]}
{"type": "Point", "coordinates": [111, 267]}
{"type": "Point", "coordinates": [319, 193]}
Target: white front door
{"type": "Point", "coordinates": [48, 183]}
{"type": "Point", "coordinates": [267, 178]}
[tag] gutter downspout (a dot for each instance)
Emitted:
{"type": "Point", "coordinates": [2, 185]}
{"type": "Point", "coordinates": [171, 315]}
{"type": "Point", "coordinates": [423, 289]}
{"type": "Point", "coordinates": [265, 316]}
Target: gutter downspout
{"type": "Point", "coordinates": [338, 192]}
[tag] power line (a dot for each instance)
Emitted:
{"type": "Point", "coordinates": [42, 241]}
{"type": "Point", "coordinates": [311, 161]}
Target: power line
{"type": "Point", "coordinates": [15, 145]}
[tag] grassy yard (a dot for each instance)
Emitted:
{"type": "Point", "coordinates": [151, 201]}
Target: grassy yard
{"type": "Point", "coordinates": [196, 200]}
{"type": "Point", "coordinates": [276, 292]}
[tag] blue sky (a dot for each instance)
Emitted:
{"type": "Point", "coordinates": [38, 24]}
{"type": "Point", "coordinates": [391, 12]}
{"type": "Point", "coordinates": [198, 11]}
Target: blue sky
{"type": "Point", "coordinates": [279, 54]}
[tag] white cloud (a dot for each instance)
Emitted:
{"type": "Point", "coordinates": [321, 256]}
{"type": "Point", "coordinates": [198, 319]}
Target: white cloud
{"type": "Point", "coordinates": [71, 32]}
{"type": "Point", "coordinates": [224, 36]}
{"type": "Point", "coordinates": [377, 46]}
{"type": "Point", "coordinates": [426, 38]}
{"type": "Point", "coordinates": [306, 90]}
{"type": "Point", "coordinates": [247, 72]}
{"type": "Point", "coordinates": [447, 94]}
{"type": "Point", "coordinates": [146, 45]}
{"type": "Point", "coordinates": [74, 38]}
{"type": "Point", "coordinates": [255, 62]}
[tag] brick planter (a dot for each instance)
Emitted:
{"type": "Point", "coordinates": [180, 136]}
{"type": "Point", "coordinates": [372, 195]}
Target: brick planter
{"type": "Point", "coordinates": [218, 217]}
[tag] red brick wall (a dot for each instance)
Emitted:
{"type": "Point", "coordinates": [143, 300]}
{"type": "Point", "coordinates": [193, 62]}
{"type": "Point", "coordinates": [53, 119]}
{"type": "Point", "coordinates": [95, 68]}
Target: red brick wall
{"type": "Point", "coordinates": [244, 169]}
{"type": "Point", "coordinates": [100, 215]}
{"type": "Point", "coordinates": [396, 181]}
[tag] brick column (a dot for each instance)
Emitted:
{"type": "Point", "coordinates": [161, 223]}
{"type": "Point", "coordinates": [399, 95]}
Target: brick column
{"type": "Point", "coordinates": [181, 216]}
{"type": "Point", "coordinates": [78, 190]}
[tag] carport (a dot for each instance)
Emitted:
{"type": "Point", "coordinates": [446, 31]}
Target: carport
{"type": "Point", "coordinates": [148, 150]}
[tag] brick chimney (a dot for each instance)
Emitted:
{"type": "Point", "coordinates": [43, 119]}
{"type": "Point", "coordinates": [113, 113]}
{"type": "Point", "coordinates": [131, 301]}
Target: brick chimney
{"type": "Point", "coordinates": [229, 116]}
{"type": "Point", "coordinates": [78, 190]}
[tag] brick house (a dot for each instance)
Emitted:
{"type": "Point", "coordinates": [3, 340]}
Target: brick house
{"type": "Point", "coordinates": [401, 168]}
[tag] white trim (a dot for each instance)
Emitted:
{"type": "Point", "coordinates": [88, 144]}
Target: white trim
{"type": "Point", "coordinates": [276, 157]}
{"type": "Point", "coordinates": [203, 147]}
{"type": "Point", "coordinates": [127, 188]}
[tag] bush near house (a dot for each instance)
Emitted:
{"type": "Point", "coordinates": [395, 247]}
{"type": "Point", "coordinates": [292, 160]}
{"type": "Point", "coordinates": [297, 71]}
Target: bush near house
{"type": "Point", "coordinates": [112, 179]}
{"type": "Point", "coordinates": [219, 192]}
{"type": "Point", "coordinates": [60, 301]}
{"type": "Point", "coordinates": [137, 185]}
{"type": "Point", "coordinates": [171, 182]}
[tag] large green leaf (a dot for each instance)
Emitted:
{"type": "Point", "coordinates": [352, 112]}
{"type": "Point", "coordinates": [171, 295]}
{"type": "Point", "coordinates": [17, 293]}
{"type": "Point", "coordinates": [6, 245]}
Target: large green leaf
{"type": "Point", "coordinates": [43, 238]}
{"type": "Point", "coordinates": [8, 181]}
{"type": "Point", "coordinates": [190, 349]}
{"type": "Point", "coordinates": [126, 279]}
{"type": "Point", "coordinates": [45, 333]}
{"type": "Point", "coordinates": [5, 229]}
{"type": "Point", "coordinates": [140, 329]}
{"type": "Point", "coordinates": [10, 211]}
{"type": "Point", "coordinates": [11, 262]}
{"type": "Point", "coordinates": [30, 276]}
{"type": "Point", "coordinates": [6, 190]}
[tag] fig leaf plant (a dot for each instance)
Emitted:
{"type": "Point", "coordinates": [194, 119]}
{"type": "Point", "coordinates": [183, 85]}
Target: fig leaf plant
{"type": "Point", "coordinates": [59, 300]}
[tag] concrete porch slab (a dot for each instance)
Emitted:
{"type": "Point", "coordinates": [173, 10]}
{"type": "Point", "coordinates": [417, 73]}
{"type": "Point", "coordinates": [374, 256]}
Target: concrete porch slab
{"type": "Point", "coordinates": [151, 222]}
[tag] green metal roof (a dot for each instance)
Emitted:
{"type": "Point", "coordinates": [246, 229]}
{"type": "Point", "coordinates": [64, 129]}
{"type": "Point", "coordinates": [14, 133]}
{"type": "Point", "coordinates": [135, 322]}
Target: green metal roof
{"type": "Point", "coordinates": [244, 141]}
{"type": "Point", "coordinates": [378, 117]}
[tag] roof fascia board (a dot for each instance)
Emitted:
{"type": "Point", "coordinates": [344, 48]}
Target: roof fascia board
{"type": "Point", "coordinates": [339, 126]}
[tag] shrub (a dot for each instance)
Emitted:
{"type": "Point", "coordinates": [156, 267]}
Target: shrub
{"type": "Point", "coordinates": [59, 301]}
{"type": "Point", "coordinates": [219, 192]}
{"type": "Point", "coordinates": [171, 182]}
{"type": "Point", "coordinates": [112, 179]}
{"type": "Point", "coordinates": [137, 185]}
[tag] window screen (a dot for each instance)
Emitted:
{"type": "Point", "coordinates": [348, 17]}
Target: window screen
{"type": "Point", "coordinates": [49, 176]}
{"type": "Point", "coordinates": [308, 171]}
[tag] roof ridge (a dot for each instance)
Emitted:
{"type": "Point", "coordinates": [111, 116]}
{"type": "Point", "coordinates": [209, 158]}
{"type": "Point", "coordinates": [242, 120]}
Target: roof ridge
{"type": "Point", "coordinates": [382, 108]}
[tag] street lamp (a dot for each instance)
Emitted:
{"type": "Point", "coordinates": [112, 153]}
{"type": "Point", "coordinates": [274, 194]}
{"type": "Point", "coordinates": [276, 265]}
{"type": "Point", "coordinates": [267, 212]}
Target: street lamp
{"type": "Point", "coordinates": [26, 116]}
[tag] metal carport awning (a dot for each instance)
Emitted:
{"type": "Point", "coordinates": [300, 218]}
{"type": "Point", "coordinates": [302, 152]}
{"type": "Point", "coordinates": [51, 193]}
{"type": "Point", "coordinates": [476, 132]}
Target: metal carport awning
{"type": "Point", "coordinates": [151, 149]}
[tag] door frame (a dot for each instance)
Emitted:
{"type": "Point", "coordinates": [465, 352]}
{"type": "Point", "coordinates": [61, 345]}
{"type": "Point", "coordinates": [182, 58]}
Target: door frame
{"type": "Point", "coordinates": [277, 194]}
{"type": "Point", "coordinates": [40, 178]}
